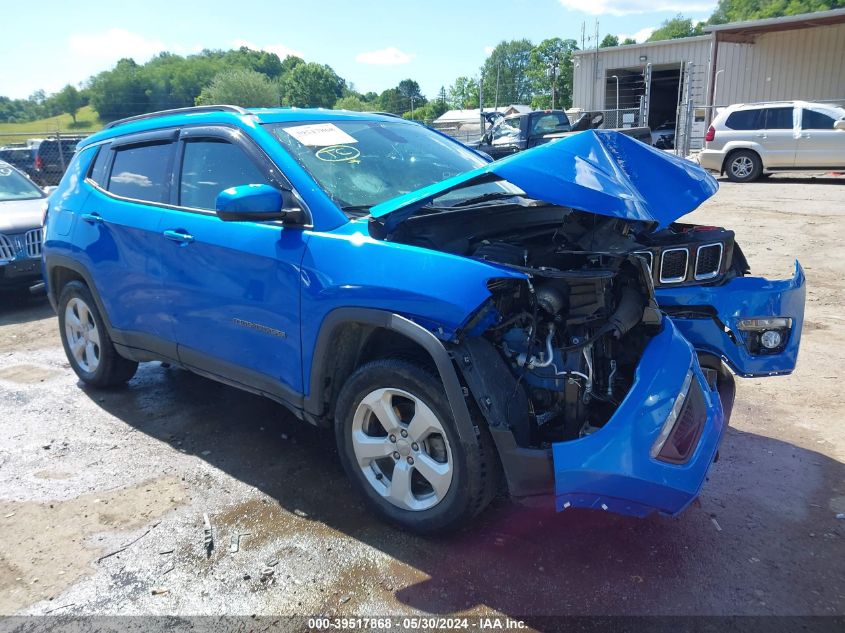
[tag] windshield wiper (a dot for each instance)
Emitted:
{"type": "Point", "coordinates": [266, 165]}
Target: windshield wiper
{"type": "Point", "coordinates": [486, 197]}
{"type": "Point", "coordinates": [356, 209]}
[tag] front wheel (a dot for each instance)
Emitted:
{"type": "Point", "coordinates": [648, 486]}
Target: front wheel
{"type": "Point", "coordinates": [399, 445]}
{"type": "Point", "coordinates": [744, 166]}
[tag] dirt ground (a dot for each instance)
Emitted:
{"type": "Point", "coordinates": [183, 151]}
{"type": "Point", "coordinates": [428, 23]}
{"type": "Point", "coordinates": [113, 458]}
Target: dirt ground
{"type": "Point", "coordinates": [102, 494]}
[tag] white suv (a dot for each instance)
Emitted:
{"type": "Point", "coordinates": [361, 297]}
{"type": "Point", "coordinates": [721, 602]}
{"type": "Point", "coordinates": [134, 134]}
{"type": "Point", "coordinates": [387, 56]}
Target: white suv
{"type": "Point", "coordinates": [746, 140]}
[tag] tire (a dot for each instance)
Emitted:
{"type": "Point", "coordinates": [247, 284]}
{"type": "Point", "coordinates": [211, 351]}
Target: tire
{"type": "Point", "coordinates": [86, 340]}
{"type": "Point", "coordinates": [743, 166]}
{"type": "Point", "coordinates": [443, 482]}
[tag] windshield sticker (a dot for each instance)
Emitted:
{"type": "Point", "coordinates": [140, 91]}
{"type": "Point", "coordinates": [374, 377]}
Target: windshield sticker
{"type": "Point", "coordinates": [5, 171]}
{"type": "Point", "coordinates": [338, 154]}
{"type": "Point", "coordinates": [320, 135]}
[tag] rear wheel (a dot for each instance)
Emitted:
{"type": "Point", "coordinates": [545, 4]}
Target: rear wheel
{"type": "Point", "coordinates": [743, 166]}
{"type": "Point", "coordinates": [86, 341]}
{"type": "Point", "coordinates": [399, 445]}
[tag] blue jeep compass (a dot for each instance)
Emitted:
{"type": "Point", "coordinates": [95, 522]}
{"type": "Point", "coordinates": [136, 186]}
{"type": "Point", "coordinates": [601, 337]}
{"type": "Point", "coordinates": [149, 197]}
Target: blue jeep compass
{"type": "Point", "coordinates": [540, 323]}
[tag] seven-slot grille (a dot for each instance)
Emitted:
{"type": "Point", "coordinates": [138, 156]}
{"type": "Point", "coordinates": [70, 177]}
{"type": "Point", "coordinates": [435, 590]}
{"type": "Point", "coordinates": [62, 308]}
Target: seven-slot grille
{"type": "Point", "coordinates": [7, 250]}
{"type": "Point", "coordinates": [33, 240]}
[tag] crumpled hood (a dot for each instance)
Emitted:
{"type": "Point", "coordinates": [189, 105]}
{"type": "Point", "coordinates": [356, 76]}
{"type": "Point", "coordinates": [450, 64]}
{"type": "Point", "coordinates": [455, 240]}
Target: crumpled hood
{"type": "Point", "coordinates": [597, 171]}
{"type": "Point", "coordinates": [17, 216]}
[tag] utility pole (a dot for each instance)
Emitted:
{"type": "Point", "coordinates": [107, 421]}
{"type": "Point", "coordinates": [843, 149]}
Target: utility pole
{"type": "Point", "coordinates": [554, 71]}
{"type": "Point", "coordinates": [481, 104]}
{"type": "Point", "coordinates": [496, 100]}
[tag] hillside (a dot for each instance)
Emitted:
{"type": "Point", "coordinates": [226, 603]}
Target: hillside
{"type": "Point", "coordinates": [87, 122]}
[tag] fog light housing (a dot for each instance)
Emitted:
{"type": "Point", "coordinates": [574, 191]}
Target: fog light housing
{"type": "Point", "coordinates": [765, 335]}
{"type": "Point", "coordinates": [771, 339]}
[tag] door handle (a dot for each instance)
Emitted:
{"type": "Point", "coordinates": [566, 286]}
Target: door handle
{"type": "Point", "coordinates": [92, 218]}
{"type": "Point", "coordinates": [759, 136]}
{"type": "Point", "coordinates": [805, 136]}
{"type": "Point", "coordinates": [178, 236]}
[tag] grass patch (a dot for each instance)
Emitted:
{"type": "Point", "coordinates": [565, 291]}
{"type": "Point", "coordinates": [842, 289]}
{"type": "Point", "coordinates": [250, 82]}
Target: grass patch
{"type": "Point", "coordinates": [87, 122]}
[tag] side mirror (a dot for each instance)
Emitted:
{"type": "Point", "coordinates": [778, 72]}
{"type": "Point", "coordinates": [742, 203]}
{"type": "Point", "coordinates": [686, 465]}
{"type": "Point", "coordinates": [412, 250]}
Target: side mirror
{"type": "Point", "coordinates": [839, 125]}
{"type": "Point", "coordinates": [256, 203]}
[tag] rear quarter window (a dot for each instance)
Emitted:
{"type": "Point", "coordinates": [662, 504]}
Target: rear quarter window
{"type": "Point", "coordinates": [142, 172]}
{"type": "Point", "coordinates": [745, 120]}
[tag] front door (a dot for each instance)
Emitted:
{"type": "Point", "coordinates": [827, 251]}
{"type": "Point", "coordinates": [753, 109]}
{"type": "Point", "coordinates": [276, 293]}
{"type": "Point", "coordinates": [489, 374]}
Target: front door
{"type": "Point", "coordinates": [232, 287]}
{"type": "Point", "coordinates": [819, 145]}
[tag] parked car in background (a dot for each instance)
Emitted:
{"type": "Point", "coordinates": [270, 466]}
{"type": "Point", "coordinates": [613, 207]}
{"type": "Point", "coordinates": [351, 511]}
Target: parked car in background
{"type": "Point", "coordinates": [663, 136]}
{"type": "Point", "coordinates": [21, 216]}
{"type": "Point", "coordinates": [519, 132]}
{"type": "Point", "coordinates": [748, 140]}
{"type": "Point", "coordinates": [20, 157]}
{"type": "Point", "coordinates": [461, 324]}
{"type": "Point", "coordinates": [51, 158]}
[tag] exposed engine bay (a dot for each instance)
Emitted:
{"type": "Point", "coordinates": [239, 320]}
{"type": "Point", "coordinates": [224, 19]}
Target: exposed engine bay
{"type": "Point", "coordinates": [573, 332]}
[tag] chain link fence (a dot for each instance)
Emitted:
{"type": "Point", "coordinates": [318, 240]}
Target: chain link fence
{"type": "Point", "coordinates": [43, 157]}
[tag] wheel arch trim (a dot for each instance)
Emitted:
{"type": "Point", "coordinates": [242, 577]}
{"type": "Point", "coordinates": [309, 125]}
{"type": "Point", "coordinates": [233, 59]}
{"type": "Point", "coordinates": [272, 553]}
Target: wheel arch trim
{"type": "Point", "coordinates": [314, 402]}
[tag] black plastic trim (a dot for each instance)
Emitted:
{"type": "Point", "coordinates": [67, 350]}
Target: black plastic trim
{"type": "Point", "coordinates": [314, 404]}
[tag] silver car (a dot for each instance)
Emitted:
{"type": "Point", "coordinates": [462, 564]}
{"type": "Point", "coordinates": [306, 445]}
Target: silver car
{"type": "Point", "coordinates": [747, 140]}
{"type": "Point", "coordinates": [21, 218]}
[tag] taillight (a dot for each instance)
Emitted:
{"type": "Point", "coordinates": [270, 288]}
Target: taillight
{"type": "Point", "coordinates": [711, 134]}
{"type": "Point", "coordinates": [39, 162]}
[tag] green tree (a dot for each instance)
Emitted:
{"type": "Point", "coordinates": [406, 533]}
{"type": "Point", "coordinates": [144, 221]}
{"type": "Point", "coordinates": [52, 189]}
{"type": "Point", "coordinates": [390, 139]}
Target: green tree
{"type": "Point", "coordinates": [463, 94]}
{"type": "Point", "coordinates": [120, 92]}
{"type": "Point", "coordinates": [68, 100]}
{"type": "Point", "coordinates": [354, 103]}
{"type": "Point", "coordinates": [242, 87]}
{"type": "Point", "coordinates": [741, 10]}
{"type": "Point", "coordinates": [676, 28]}
{"type": "Point", "coordinates": [410, 91]}
{"type": "Point", "coordinates": [508, 66]}
{"type": "Point", "coordinates": [609, 40]}
{"type": "Point", "coordinates": [628, 40]}
{"type": "Point", "coordinates": [311, 85]}
{"type": "Point", "coordinates": [548, 54]}
{"type": "Point", "coordinates": [391, 100]}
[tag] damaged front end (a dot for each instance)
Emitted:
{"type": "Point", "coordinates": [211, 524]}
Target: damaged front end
{"type": "Point", "coordinates": [599, 370]}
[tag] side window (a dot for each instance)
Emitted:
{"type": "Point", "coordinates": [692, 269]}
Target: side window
{"type": "Point", "coordinates": [745, 120]}
{"type": "Point", "coordinates": [98, 167]}
{"type": "Point", "coordinates": [812, 120]}
{"type": "Point", "coordinates": [507, 129]}
{"type": "Point", "coordinates": [141, 172]}
{"type": "Point", "coordinates": [778, 118]}
{"type": "Point", "coordinates": [209, 166]}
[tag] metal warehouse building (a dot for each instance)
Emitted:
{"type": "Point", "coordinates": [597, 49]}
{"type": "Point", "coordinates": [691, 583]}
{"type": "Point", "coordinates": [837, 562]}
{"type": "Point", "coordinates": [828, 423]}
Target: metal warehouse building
{"type": "Point", "coordinates": [680, 82]}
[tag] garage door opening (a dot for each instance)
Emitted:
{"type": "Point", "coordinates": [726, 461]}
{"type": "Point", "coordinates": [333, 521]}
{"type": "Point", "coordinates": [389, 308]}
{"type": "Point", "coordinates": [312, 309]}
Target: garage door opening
{"type": "Point", "coordinates": [663, 97]}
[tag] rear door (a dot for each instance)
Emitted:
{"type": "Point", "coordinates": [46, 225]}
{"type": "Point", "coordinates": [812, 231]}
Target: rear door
{"type": "Point", "coordinates": [779, 137]}
{"type": "Point", "coordinates": [819, 144]}
{"type": "Point", "coordinates": [232, 287]}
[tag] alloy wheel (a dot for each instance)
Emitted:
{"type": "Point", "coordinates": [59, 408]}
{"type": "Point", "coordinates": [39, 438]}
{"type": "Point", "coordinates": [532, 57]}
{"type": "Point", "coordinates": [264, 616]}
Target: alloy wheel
{"type": "Point", "coordinates": [83, 337]}
{"type": "Point", "coordinates": [402, 449]}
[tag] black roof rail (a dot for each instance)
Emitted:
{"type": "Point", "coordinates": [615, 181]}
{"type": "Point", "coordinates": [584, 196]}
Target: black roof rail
{"type": "Point", "coordinates": [191, 110]}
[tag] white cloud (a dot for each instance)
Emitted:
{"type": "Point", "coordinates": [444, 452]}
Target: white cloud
{"type": "Point", "coordinates": [640, 36]}
{"type": "Point", "coordinates": [280, 49]}
{"type": "Point", "coordinates": [389, 56]}
{"type": "Point", "coordinates": [114, 44]}
{"type": "Point", "coordinates": [627, 7]}
{"type": "Point", "coordinates": [488, 50]}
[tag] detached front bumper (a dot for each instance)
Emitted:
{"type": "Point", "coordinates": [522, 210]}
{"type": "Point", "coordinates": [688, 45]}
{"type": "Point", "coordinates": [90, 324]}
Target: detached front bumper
{"type": "Point", "coordinates": [709, 318]}
{"type": "Point", "coordinates": [613, 469]}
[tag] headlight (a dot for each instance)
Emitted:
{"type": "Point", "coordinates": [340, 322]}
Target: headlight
{"type": "Point", "coordinates": [672, 418]}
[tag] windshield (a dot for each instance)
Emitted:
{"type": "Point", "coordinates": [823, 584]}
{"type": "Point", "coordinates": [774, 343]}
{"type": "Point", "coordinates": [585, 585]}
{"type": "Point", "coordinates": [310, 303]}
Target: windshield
{"type": "Point", "coordinates": [14, 186]}
{"type": "Point", "coordinates": [362, 163]}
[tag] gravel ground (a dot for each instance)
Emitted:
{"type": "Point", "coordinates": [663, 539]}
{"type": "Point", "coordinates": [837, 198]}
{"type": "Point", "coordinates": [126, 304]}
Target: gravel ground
{"type": "Point", "coordinates": [102, 494]}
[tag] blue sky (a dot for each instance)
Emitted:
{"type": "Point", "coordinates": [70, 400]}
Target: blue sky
{"type": "Point", "coordinates": [371, 43]}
